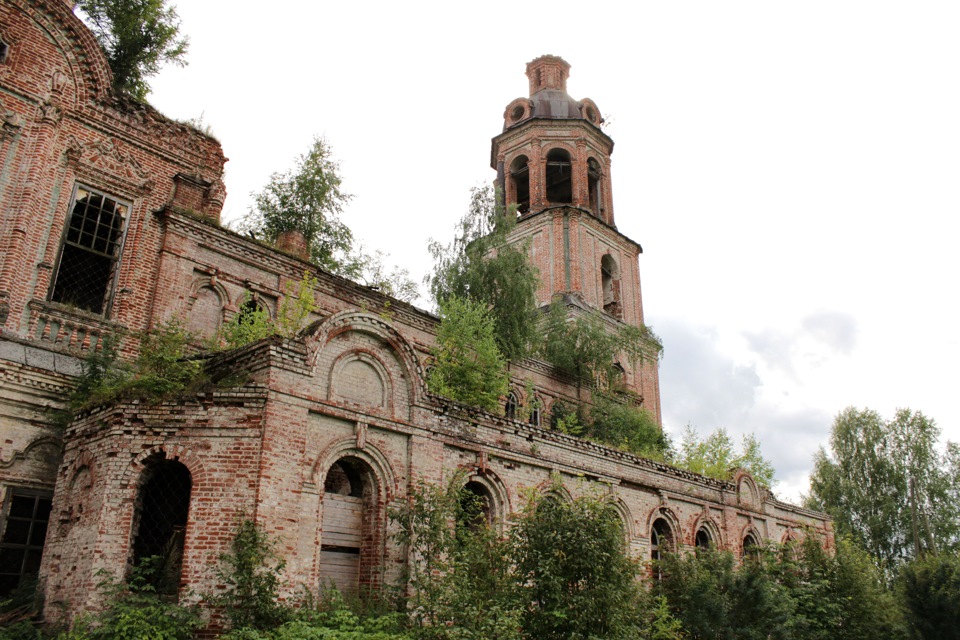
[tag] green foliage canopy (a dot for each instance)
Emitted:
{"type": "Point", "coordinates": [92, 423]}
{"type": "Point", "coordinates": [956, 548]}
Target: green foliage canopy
{"type": "Point", "coordinates": [468, 366]}
{"type": "Point", "coordinates": [715, 456]}
{"type": "Point", "coordinates": [571, 561]}
{"type": "Point", "coordinates": [309, 198]}
{"type": "Point", "coordinates": [483, 266]}
{"type": "Point", "coordinates": [588, 345]}
{"type": "Point", "coordinates": [875, 470]}
{"type": "Point", "coordinates": [930, 591]}
{"type": "Point", "coordinates": [138, 36]}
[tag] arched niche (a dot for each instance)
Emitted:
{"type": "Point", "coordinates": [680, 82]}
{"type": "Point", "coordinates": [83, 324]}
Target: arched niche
{"type": "Point", "coordinates": [610, 286]}
{"type": "Point", "coordinates": [361, 378]}
{"type": "Point", "coordinates": [706, 534]}
{"type": "Point", "coordinates": [205, 309]}
{"type": "Point", "coordinates": [331, 342]}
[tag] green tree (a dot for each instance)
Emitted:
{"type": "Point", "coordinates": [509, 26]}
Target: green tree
{"type": "Point", "coordinates": [250, 572]}
{"type": "Point", "coordinates": [572, 567]}
{"type": "Point", "coordinates": [618, 423]}
{"type": "Point", "coordinates": [459, 579]}
{"type": "Point", "coordinates": [482, 265]}
{"type": "Point", "coordinates": [588, 346]}
{"type": "Point", "coordinates": [468, 366]}
{"type": "Point", "coordinates": [138, 36]}
{"type": "Point", "coordinates": [930, 591]}
{"type": "Point", "coordinates": [716, 456]}
{"type": "Point", "coordinates": [887, 486]}
{"type": "Point", "coordinates": [308, 199]}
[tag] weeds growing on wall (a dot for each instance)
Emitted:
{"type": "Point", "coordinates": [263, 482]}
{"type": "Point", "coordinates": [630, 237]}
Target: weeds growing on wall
{"type": "Point", "coordinates": [163, 367]}
{"type": "Point", "coordinates": [252, 324]}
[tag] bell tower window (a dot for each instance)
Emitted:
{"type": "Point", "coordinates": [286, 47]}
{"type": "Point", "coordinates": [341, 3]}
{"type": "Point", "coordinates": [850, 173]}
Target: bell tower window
{"type": "Point", "coordinates": [520, 184]}
{"type": "Point", "coordinates": [559, 177]}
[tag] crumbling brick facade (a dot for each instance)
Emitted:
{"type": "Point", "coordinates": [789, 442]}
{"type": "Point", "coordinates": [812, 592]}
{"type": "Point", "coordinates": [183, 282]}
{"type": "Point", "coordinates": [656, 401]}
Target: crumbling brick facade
{"type": "Point", "coordinates": [329, 429]}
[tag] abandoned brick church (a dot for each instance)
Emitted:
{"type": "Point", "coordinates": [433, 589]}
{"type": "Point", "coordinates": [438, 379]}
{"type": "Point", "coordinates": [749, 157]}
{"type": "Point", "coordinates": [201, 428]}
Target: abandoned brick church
{"type": "Point", "coordinates": [110, 225]}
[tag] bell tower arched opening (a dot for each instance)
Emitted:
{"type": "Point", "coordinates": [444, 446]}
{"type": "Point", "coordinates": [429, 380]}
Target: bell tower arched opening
{"type": "Point", "coordinates": [559, 177]}
{"type": "Point", "coordinates": [520, 184]}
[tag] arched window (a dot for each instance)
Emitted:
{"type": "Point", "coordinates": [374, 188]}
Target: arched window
{"type": "Point", "coordinates": [610, 285]}
{"type": "Point", "coordinates": [559, 177]}
{"type": "Point", "coordinates": [162, 509]}
{"type": "Point", "coordinates": [593, 185]}
{"type": "Point", "coordinates": [703, 539]}
{"type": "Point", "coordinates": [476, 506]}
{"type": "Point", "coordinates": [510, 407]}
{"type": "Point", "coordinates": [520, 184]}
{"type": "Point", "coordinates": [536, 410]}
{"type": "Point", "coordinates": [751, 547]}
{"type": "Point", "coordinates": [661, 542]}
{"type": "Point", "coordinates": [349, 526]}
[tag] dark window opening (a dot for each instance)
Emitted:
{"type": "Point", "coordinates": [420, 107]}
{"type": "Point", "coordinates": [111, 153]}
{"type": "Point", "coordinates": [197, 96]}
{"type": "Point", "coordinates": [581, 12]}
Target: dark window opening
{"type": "Point", "coordinates": [751, 548]}
{"type": "Point", "coordinates": [703, 540]}
{"type": "Point", "coordinates": [163, 506]}
{"type": "Point", "coordinates": [520, 181]}
{"type": "Point", "coordinates": [24, 532]}
{"type": "Point", "coordinates": [476, 506]}
{"type": "Point", "coordinates": [535, 412]}
{"type": "Point", "coordinates": [517, 113]}
{"type": "Point", "coordinates": [510, 408]}
{"type": "Point", "coordinates": [90, 251]}
{"type": "Point", "coordinates": [661, 542]}
{"type": "Point", "coordinates": [344, 479]}
{"type": "Point", "coordinates": [593, 185]}
{"type": "Point", "coordinates": [4, 50]}
{"type": "Point", "coordinates": [559, 177]}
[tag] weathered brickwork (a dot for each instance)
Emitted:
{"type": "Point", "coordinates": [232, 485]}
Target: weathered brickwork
{"type": "Point", "coordinates": [329, 429]}
{"type": "Point", "coordinates": [63, 129]}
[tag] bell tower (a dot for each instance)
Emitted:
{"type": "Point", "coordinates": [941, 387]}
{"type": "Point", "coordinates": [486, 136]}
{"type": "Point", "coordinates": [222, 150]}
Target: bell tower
{"type": "Point", "coordinates": [553, 165]}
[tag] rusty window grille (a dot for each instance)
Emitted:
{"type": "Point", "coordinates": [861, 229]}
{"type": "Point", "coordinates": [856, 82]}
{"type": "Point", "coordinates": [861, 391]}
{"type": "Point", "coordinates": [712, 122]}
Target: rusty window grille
{"type": "Point", "coordinates": [90, 250]}
{"type": "Point", "coordinates": [24, 531]}
{"type": "Point", "coordinates": [163, 507]}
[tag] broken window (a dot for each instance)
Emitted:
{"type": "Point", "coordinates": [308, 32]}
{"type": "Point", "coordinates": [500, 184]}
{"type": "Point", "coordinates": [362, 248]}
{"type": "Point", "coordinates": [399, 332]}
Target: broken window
{"type": "Point", "coordinates": [661, 542]}
{"type": "Point", "coordinates": [510, 407]}
{"type": "Point", "coordinates": [24, 531]}
{"type": "Point", "coordinates": [162, 508]}
{"type": "Point", "coordinates": [90, 250]}
{"type": "Point", "coordinates": [751, 548]}
{"type": "Point", "coordinates": [476, 506]}
{"type": "Point", "coordinates": [703, 539]}
{"type": "Point", "coordinates": [610, 284]}
{"type": "Point", "coordinates": [536, 405]}
{"type": "Point", "coordinates": [559, 177]}
{"type": "Point", "coordinates": [593, 186]}
{"type": "Point", "coordinates": [520, 184]}
{"type": "Point", "coordinates": [4, 50]}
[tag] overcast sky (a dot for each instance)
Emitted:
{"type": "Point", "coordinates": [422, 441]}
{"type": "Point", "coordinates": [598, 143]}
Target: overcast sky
{"type": "Point", "coordinates": [791, 170]}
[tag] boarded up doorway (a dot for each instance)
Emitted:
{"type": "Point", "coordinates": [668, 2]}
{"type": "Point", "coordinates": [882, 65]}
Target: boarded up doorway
{"type": "Point", "coordinates": [348, 522]}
